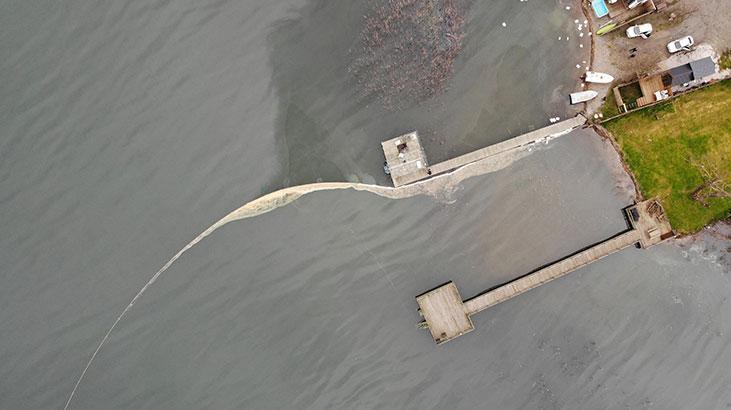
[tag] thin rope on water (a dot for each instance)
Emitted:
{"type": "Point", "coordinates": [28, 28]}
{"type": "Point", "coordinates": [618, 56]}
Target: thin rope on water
{"type": "Point", "coordinates": [365, 250]}
{"type": "Point", "coordinates": [433, 187]}
{"type": "Point", "coordinates": [257, 207]}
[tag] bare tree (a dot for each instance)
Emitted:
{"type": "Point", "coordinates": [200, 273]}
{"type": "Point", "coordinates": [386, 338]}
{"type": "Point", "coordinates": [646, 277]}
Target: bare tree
{"type": "Point", "coordinates": [713, 186]}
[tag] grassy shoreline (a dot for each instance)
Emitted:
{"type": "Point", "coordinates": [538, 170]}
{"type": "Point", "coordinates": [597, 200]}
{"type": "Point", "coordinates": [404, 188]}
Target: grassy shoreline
{"type": "Point", "coordinates": [680, 151]}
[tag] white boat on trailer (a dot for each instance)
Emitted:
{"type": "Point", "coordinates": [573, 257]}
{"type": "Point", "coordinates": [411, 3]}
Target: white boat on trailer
{"type": "Point", "coordinates": [596, 77]}
{"type": "Point", "coordinates": [582, 96]}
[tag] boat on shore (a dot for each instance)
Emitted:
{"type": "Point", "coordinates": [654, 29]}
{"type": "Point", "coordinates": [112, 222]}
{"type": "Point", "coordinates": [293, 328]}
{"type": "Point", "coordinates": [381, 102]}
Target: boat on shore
{"type": "Point", "coordinates": [582, 96]}
{"type": "Point", "coordinates": [596, 77]}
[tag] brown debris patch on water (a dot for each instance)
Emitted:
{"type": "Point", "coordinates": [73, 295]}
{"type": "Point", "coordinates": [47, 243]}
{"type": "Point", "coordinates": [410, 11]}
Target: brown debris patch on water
{"type": "Point", "coordinates": [407, 50]}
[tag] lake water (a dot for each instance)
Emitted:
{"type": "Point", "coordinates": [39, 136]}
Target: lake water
{"type": "Point", "coordinates": [126, 128]}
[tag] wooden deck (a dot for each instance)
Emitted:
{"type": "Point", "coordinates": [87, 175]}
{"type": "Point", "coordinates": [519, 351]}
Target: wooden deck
{"type": "Point", "coordinates": [407, 162]}
{"type": "Point", "coordinates": [513, 143]}
{"type": "Point", "coordinates": [405, 159]}
{"type": "Point", "coordinates": [443, 310]}
{"type": "Point", "coordinates": [649, 85]}
{"type": "Point", "coordinates": [648, 218]}
{"type": "Point", "coordinates": [547, 274]}
{"type": "Point", "coordinates": [448, 317]}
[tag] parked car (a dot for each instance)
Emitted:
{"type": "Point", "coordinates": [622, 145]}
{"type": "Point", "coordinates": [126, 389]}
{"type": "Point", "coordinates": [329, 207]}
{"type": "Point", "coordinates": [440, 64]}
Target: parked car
{"type": "Point", "coordinates": [681, 44]}
{"type": "Point", "coordinates": [634, 3]}
{"type": "Point", "coordinates": [640, 30]}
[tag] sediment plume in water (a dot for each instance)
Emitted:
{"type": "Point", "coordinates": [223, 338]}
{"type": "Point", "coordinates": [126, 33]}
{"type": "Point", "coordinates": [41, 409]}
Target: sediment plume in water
{"type": "Point", "coordinates": [440, 187]}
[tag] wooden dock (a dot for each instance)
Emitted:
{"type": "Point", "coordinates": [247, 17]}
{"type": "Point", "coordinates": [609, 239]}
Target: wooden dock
{"type": "Point", "coordinates": [650, 85]}
{"type": "Point", "coordinates": [447, 317]}
{"type": "Point", "coordinates": [554, 130]}
{"type": "Point", "coordinates": [549, 273]}
{"type": "Point", "coordinates": [405, 159]}
{"type": "Point", "coordinates": [442, 308]}
{"type": "Point", "coordinates": [407, 163]}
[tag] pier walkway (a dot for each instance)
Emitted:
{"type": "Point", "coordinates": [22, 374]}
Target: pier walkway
{"type": "Point", "coordinates": [551, 131]}
{"type": "Point", "coordinates": [547, 274]}
{"type": "Point", "coordinates": [407, 163]}
{"type": "Point", "coordinates": [447, 317]}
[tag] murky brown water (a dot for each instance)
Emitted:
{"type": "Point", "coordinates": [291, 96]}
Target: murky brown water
{"type": "Point", "coordinates": [129, 127]}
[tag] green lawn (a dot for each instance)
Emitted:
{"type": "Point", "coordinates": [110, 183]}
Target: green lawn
{"type": "Point", "coordinates": [680, 151]}
{"type": "Point", "coordinates": [725, 61]}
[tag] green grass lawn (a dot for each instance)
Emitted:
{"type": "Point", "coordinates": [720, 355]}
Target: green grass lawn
{"type": "Point", "coordinates": [725, 61]}
{"type": "Point", "coordinates": [680, 151]}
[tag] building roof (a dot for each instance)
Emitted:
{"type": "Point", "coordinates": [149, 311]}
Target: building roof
{"type": "Point", "coordinates": [695, 70]}
{"type": "Point", "coordinates": [681, 74]}
{"type": "Point", "coordinates": [702, 68]}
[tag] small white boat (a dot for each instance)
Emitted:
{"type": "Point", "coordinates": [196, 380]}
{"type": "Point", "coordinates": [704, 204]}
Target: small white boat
{"type": "Point", "coordinates": [582, 96]}
{"type": "Point", "coordinates": [595, 77]}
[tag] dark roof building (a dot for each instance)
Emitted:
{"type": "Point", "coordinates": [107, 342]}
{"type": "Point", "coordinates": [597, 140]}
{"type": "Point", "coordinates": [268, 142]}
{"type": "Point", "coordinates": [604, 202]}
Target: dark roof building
{"type": "Point", "coordinates": [681, 74]}
{"type": "Point", "coordinates": [695, 70]}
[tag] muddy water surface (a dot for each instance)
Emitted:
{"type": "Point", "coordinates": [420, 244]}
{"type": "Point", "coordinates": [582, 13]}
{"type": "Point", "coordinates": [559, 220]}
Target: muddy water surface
{"type": "Point", "coordinates": [127, 128]}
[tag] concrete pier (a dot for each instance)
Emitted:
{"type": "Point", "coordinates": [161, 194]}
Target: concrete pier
{"type": "Point", "coordinates": [447, 317]}
{"type": "Point", "coordinates": [406, 159]}
{"type": "Point", "coordinates": [551, 131]}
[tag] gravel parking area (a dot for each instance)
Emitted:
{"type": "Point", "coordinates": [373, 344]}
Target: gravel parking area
{"type": "Point", "coordinates": [706, 20]}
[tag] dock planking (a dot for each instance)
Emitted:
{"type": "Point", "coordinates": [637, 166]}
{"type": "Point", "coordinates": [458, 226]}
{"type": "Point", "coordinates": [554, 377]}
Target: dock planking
{"type": "Point", "coordinates": [443, 307]}
{"type": "Point", "coordinates": [554, 271]}
{"type": "Point", "coordinates": [554, 130]}
{"type": "Point", "coordinates": [405, 159]}
{"type": "Point", "coordinates": [407, 163]}
{"type": "Point", "coordinates": [447, 317]}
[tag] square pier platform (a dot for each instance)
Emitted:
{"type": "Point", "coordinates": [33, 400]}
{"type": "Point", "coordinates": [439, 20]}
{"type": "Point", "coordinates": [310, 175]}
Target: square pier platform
{"type": "Point", "coordinates": [649, 219]}
{"type": "Point", "coordinates": [405, 159]}
{"type": "Point", "coordinates": [445, 313]}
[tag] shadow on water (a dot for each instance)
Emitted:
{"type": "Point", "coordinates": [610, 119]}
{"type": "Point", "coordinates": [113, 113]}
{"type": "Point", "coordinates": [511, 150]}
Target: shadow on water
{"type": "Point", "coordinates": [317, 130]}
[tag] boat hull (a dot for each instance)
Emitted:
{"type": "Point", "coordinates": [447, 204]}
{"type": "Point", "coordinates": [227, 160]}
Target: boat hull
{"type": "Point", "coordinates": [582, 96]}
{"type": "Point", "coordinates": [595, 77]}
